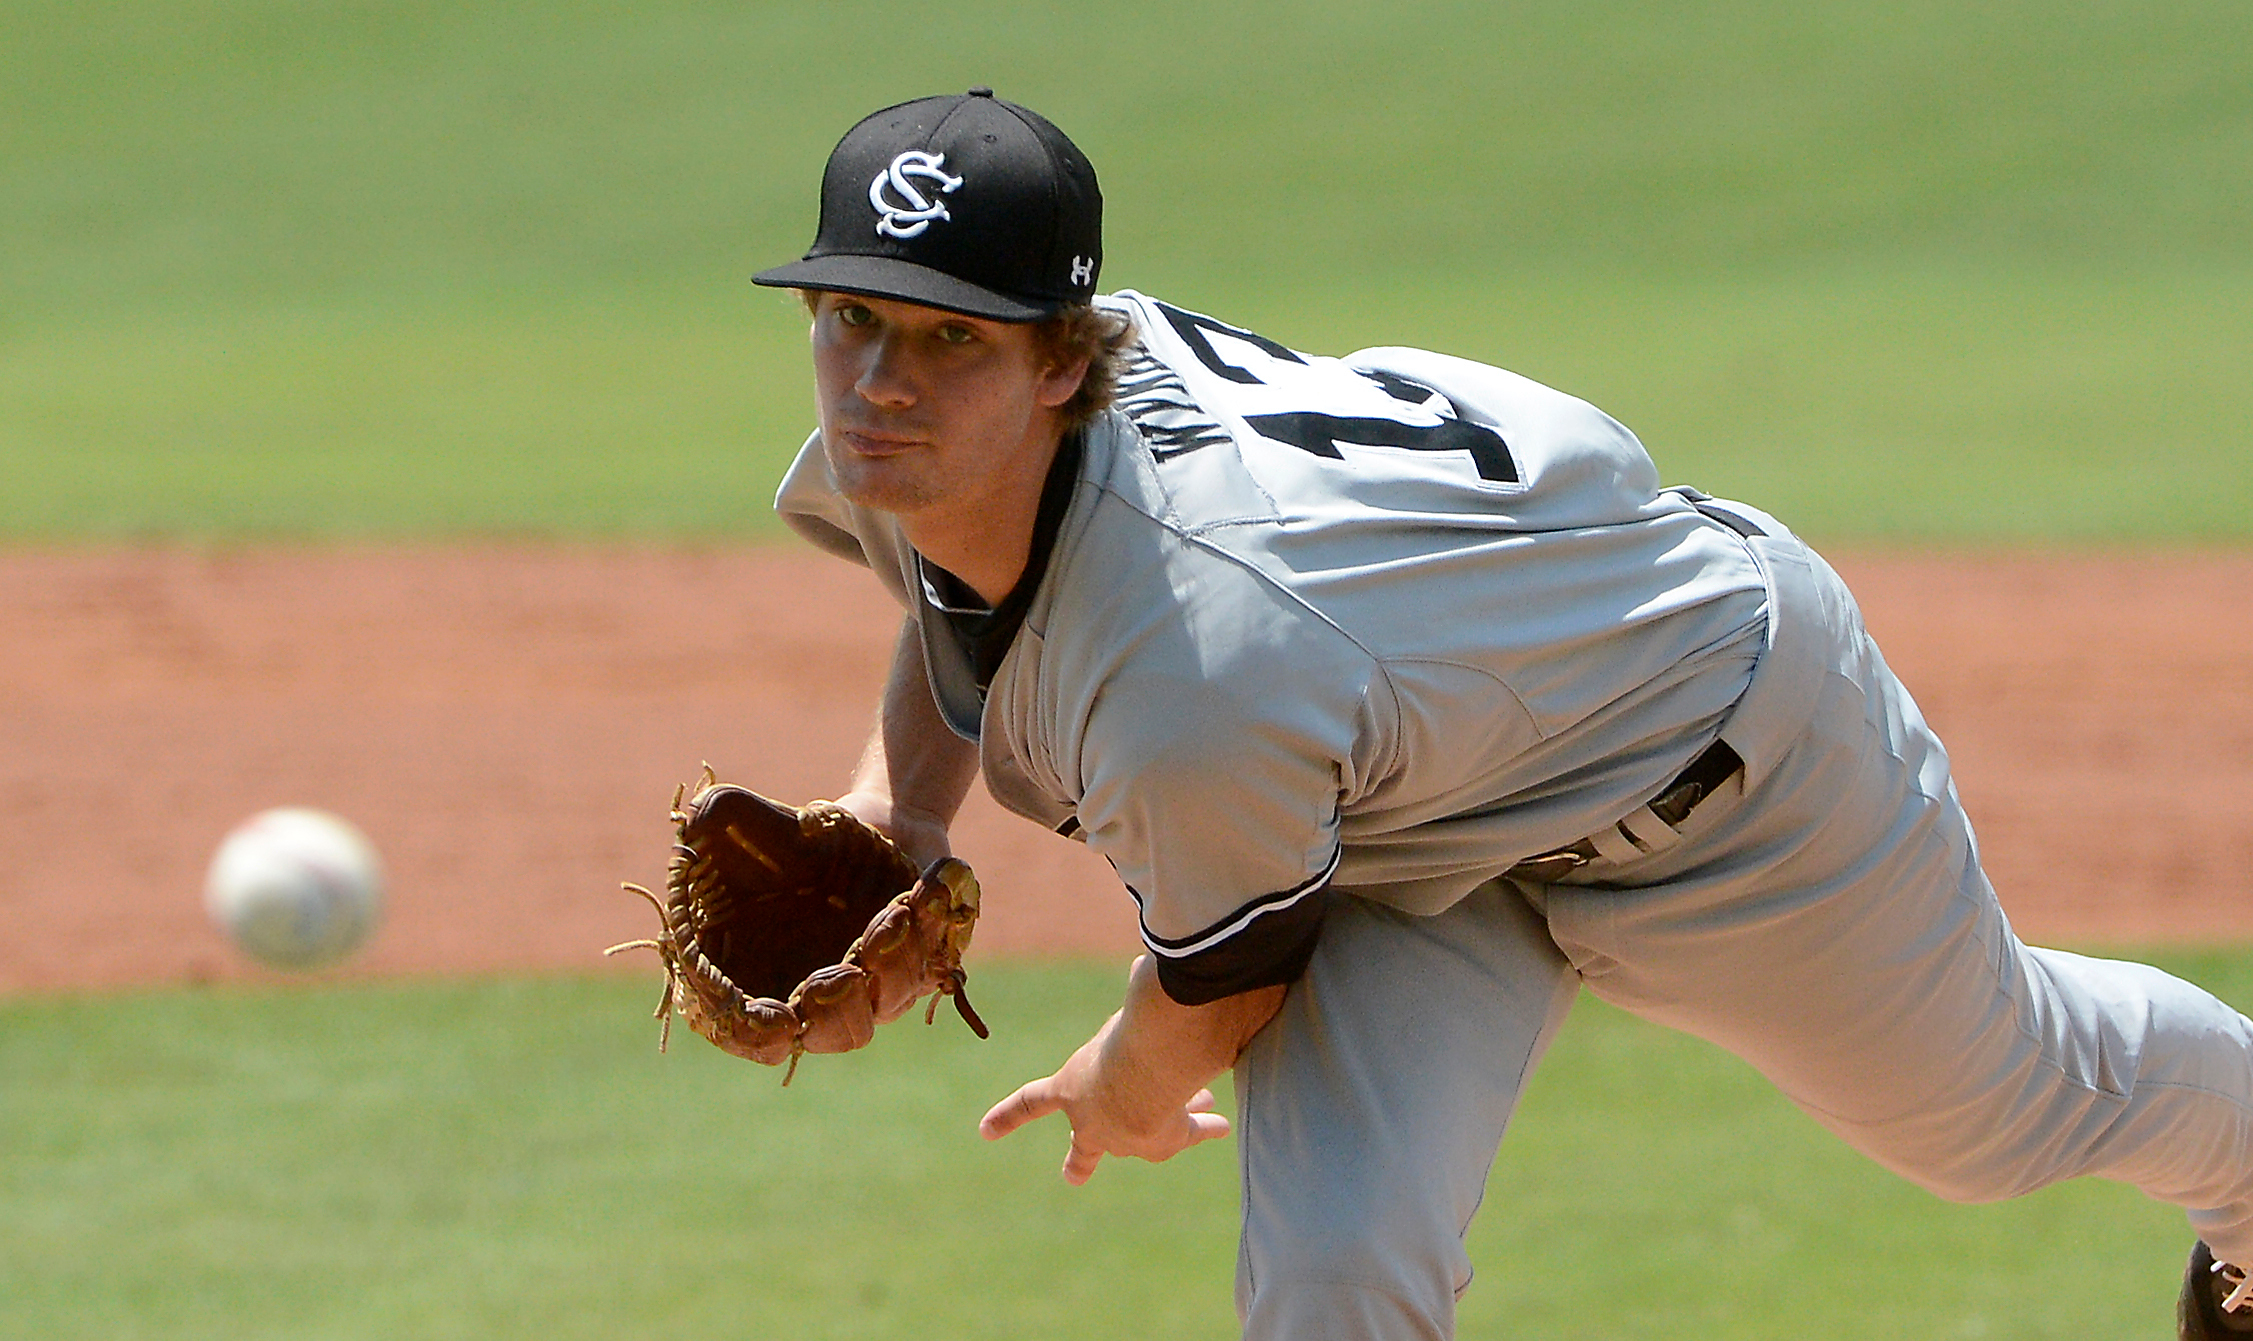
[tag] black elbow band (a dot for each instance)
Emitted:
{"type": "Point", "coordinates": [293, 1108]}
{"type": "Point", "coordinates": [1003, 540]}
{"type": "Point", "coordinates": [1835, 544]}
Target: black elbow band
{"type": "Point", "coordinates": [1271, 951]}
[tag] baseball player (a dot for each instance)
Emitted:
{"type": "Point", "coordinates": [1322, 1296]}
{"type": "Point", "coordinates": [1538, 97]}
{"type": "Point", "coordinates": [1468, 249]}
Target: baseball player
{"type": "Point", "coordinates": [1406, 703]}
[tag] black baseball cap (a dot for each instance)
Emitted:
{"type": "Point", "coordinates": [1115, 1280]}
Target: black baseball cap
{"type": "Point", "coordinates": [962, 202]}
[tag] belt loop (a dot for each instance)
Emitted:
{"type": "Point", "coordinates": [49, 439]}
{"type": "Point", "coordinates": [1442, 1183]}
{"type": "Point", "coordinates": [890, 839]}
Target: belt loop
{"type": "Point", "coordinates": [1612, 844]}
{"type": "Point", "coordinates": [1649, 829]}
{"type": "Point", "coordinates": [1650, 832]}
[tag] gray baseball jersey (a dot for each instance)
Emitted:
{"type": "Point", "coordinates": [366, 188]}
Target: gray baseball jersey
{"type": "Point", "coordinates": [1389, 623]}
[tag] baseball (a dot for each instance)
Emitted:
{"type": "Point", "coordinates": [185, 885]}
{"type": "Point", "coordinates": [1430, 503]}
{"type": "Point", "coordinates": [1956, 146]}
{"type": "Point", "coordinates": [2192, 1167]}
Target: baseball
{"type": "Point", "coordinates": [295, 888]}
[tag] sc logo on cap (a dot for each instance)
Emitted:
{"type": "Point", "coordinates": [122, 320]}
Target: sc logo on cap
{"type": "Point", "coordinates": [904, 210]}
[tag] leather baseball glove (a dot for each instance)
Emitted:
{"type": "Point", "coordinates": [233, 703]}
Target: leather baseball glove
{"type": "Point", "coordinates": [788, 930]}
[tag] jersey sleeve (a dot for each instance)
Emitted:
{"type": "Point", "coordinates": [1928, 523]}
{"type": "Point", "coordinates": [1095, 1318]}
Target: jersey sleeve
{"type": "Point", "coordinates": [808, 503]}
{"type": "Point", "coordinates": [1212, 782]}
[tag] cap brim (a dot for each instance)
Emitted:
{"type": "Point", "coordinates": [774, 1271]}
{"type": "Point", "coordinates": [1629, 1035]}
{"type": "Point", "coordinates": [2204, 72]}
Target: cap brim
{"type": "Point", "coordinates": [888, 277]}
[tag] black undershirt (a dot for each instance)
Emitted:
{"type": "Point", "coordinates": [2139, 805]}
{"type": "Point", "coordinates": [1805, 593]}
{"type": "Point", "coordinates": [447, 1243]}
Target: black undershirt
{"type": "Point", "coordinates": [985, 634]}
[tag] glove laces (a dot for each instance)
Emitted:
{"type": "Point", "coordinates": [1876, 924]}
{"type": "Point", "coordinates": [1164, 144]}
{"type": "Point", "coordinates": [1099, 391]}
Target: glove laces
{"type": "Point", "coordinates": [2240, 1297]}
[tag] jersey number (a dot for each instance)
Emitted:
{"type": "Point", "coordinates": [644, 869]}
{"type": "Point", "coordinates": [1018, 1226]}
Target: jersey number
{"type": "Point", "coordinates": [1321, 434]}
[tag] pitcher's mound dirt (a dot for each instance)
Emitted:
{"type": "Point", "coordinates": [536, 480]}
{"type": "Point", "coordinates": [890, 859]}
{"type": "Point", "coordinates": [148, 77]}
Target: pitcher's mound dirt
{"type": "Point", "coordinates": [508, 724]}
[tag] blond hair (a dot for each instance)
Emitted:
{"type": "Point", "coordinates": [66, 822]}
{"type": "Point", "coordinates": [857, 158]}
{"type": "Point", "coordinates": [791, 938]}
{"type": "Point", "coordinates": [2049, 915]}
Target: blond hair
{"type": "Point", "coordinates": [1103, 338]}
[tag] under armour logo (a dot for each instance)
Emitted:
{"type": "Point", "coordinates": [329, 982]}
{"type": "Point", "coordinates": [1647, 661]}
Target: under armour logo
{"type": "Point", "coordinates": [896, 184]}
{"type": "Point", "coordinates": [1083, 270]}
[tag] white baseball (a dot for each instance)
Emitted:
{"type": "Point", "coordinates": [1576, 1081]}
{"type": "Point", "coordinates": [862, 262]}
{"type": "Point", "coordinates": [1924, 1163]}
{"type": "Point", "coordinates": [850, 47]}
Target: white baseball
{"type": "Point", "coordinates": [295, 888]}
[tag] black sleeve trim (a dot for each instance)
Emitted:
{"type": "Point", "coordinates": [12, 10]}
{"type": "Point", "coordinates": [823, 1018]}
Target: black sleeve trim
{"type": "Point", "coordinates": [1265, 943]}
{"type": "Point", "coordinates": [1718, 509]}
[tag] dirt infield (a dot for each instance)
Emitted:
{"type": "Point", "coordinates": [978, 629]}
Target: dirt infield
{"type": "Point", "coordinates": [508, 724]}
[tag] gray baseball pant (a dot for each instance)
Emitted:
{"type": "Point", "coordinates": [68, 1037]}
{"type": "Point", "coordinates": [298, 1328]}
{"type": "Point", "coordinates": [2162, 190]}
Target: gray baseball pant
{"type": "Point", "coordinates": [1825, 918]}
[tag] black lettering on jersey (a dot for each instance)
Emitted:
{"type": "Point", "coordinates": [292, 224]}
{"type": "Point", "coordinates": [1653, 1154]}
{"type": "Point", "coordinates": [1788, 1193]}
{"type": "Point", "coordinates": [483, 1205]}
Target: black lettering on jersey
{"type": "Point", "coordinates": [1401, 388]}
{"type": "Point", "coordinates": [1163, 410]}
{"type": "Point", "coordinates": [1191, 327]}
{"type": "Point", "coordinates": [1321, 434]}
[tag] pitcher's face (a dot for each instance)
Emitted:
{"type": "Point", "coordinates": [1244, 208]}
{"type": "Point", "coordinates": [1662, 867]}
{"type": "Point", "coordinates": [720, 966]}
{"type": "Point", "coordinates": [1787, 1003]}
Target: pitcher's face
{"type": "Point", "coordinates": [923, 408]}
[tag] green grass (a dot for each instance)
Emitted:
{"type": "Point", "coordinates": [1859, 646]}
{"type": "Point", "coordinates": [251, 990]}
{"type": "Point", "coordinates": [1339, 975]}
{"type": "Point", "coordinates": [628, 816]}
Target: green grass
{"type": "Point", "coordinates": [412, 269]}
{"type": "Point", "coordinates": [489, 421]}
{"type": "Point", "coordinates": [513, 1160]}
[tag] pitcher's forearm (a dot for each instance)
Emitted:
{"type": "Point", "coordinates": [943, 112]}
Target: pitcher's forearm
{"type": "Point", "coordinates": [1159, 1051]}
{"type": "Point", "coordinates": [915, 771]}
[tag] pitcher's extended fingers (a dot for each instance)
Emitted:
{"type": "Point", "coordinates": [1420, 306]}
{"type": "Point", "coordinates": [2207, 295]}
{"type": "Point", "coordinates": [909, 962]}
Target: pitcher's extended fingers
{"type": "Point", "coordinates": [1210, 1127]}
{"type": "Point", "coordinates": [1201, 1102]}
{"type": "Point", "coordinates": [1079, 1165]}
{"type": "Point", "coordinates": [1033, 1101]}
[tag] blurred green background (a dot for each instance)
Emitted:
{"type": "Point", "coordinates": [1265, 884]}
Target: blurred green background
{"type": "Point", "coordinates": [512, 1160]}
{"type": "Point", "coordinates": [397, 269]}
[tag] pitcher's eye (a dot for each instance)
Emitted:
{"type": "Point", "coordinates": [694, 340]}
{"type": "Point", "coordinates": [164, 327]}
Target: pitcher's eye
{"type": "Point", "coordinates": [855, 314]}
{"type": "Point", "coordinates": [954, 333]}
